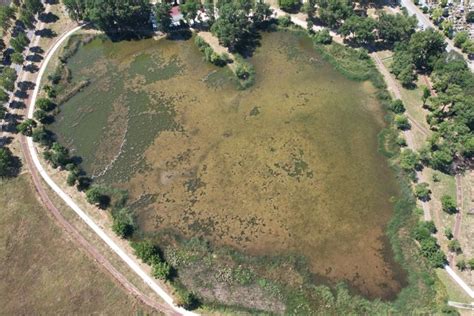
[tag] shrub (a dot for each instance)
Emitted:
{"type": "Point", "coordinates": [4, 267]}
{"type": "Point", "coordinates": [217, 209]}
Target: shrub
{"type": "Point", "coordinates": [461, 264]}
{"type": "Point", "coordinates": [422, 191]}
{"type": "Point", "coordinates": [7, 162]}
{"type": "Point", "coordinates": [449, 204]}
{"type": "Point", "coordinates": [123, 223]}
{"type": "Point", "coordinates": [26, 127]}
{"type": "Point", "coordinates": [161, 270]}
{"type": "Point", "coordinates": [322, 37]}
{"type": "Point", "coordinates": [470, 263]}
{"type": "Point", "coordinates": [424, 230]}
{"type": "Point", "coordinates": [246, 73]}
{"type": "Point", "coordinates": [284, 21]}
{"type": "Point", "coordinates": [401, 121]}
{"type": "Point", "coordinates": [45, 104]}
{"type": "Point", "coordinates": [454, 246]}
{"type": "Point", "coordinates": [397, 106]}
{"type": "Point", "coordinates": [186, 299]}
{"type": "Point", "coordinates": [289, 5]}
{"type": "Point", "coordinates": [146, 251]}
{"type": "Point", "coordinates": [448, 232]}
{"type": "Point", "coordinates": [96, 196]}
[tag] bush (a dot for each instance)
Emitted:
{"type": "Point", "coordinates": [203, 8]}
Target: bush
{"type": "Point", "coordinates": [431, 251]}
{"type": "Point", "coordinates": [397, 106]}
{"type": "Point", "coordinates": [26, 127]}
{"type": "Point", "coordinates": [289, 5]}
{"type": "Point", "coordinates": [470, 263]}
{"type": "Point", "coordinates": [454, 246]}
{"type": "Point", "coordinates": [322, 37]}
{"type": "Point", "coordinates": [449, 204]}
{"type": "Point", "coordinates": [186, 299]}
{"type": "Point", "coordinates": [45, 104]}
{"type": "Point", "coordinates": [284, 21]}
{"type": "Point", "coordinates": [461, 264]}
{"type": "Point", "coordinates": [246, 73]}
{"type": "Point", "coordinates": [146, 251]}
{"type": "Point", "coordinates": [448, 232]}
{"type": "Point", "coordinates": [123, 223]}
{"type": "Point", "coordinates": [161, 270]}
{"type": "Point", "coordinates": [401, 121]}
{"type": "Point", "coordinates": [424, 230]}
{"type": "Point", "coordinates": [7, 162]}
{"type": "Point", "coordinates": [96, 196]}
{"type": "Point", "coordinates": [422, 191]}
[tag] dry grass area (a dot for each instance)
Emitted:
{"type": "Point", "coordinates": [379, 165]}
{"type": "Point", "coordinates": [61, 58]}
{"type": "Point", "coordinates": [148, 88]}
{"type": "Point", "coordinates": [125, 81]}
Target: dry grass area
{"type": "Point", "coordinates": [43, 272]}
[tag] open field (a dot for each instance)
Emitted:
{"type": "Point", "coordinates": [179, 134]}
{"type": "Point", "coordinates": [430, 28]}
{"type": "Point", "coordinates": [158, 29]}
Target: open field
{"type": "Point", "coordinates": [44, 272]}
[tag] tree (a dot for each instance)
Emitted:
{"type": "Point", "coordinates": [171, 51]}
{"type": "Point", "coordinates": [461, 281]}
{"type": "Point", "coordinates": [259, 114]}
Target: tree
{"type": "Point", "coordinates": [232, 26]}
{"type": "Point", "coordinates": [43, 136]}
{"type": "Point", "coordinates": [424, 230]}
{"type": "Point", "coordinates": [161, 270]}
{"type": "Point", "coordinates": [401, 121]}
{"type": "Point", "coordinates": [449, 204]}
{"type": "Point", "coordinates": [7, 162]}
{"type": "Point", "coordinates": [95, 196]}
{"type": "Point", "coordinates": [448, 232]}
{"type": "Point", "coordinates": [75, 8]}
{"type": "Point", "coordinates": [57, 156]}
{"type": "Point", "coordinates": [362, 29]}
{"type": "Point", "coordinates": [45, 104]}
{"type": "Point", "coordinates": [441, 160]}
{"type": "Point", "coordinates": [397, 106]}
{"type": "Point", "coordinates": [426, 47]}
{"type": "Point", "coordinates": [123, 223]}
{"type": "Point", "coordinates": [396, 27]}
{"type": "Point", "coordinates": [189, 9]}
{"type": "Point", "coordinates": [422, 191]}
{"type": "Point", "coordinates": [4, 97]}
{"type": "Point", "coordinates": [125, 17]}
{"type": "Point", "coordinates": [332, 12]}
{"type": "Point", "coordinates": [41, 116]}
{"type": "Point", "coordinates": [34, 6]}
{"type": "Point", "coordinates": [454, 246]}
{"type": "Point", "coordinates": [163, 17]}
{"type": "Point", "coordinates": [322, 37]}
{"type": "Point", "coordinates": [289, 5]}
{"type": "Point", "coordinates": [461, 264]}
{"type": "Point", "coordinates": [8, 78]}
{"type": "Point", "coordinates": [430, 250]}
{"type": "Point", "coordinates": [262, 13]}
{"type": "Point", "coordinates": [409, 160]}
{"type": "Point", "coordinates": [426, 94]}
{"type": "Point", "coordinates": [7, 13]}
{"type": "Point", "coordinates": [460, 38]}
{"type": "Point", "coordinates": [17, 58]}
{"type": "Point", "coordinates": [20, 42]}
{"type": "Point", "coordinates": [27, 18]}
{"type": "Point", "coordinates": [146, 251]}
{"type": "Point", "coordinates": [26, 127]}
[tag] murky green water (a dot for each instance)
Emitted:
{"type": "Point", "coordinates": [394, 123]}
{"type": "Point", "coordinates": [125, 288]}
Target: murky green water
{"type": "Point", "coordinates": [289, 166]}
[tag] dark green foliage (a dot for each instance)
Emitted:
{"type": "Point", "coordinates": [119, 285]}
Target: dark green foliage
{"type": "Point", "coordinates": [245, 72]}
{"type": "Point", "coordinates": [45, 104]}
{"type": "Point", "coordinates": [401, 121]}
{"type": "Point", "coordinates": [96, 196]}
{"type": "Point", "coordinates": [424, 230]}
{"type": "Point", "coordinates": [125, 17]}
{"type": "Point", "coordinates": [461, 264]}
{"type": "Point", "coordinates": [7, 162]}
{"type": "Point", "coordinates": [19, 42]}
{"type": "Point", "coordinates": [449, 204]}
{"type": "Point", "coordinates": [262, 13]}
{"type": "Point", "coordinates": [289, 5]}
{"type": "Point", "coordinates": [454, 246]}
{"type": "Point", "coordinates": [209, 54]}
{"type": "Point", "coordinates": [409, 161]}
{"type": "Point", "coordinates": [396, 27]}
{"type": "Point", "coordinates": [8, 78]}
{"type": "Point", "coordinates": [360, 28]}
{"type": "Point", "coordinates": [17, 58]}
{"type": "Point", "coordinates": [285, 20]}
{"type": "Point", "coordinates": [448, 232]}
{"type": "Point", "coordinates": [322, 37]}
{"type": "Point", "coordinates": [432, 252]}
{"type": "Point", "coordinates": [33, 6]}
{"type": "Point", "coordinates": [232, 25]}
{"type": "Point", "coordinates": [163, 18]}
{"type": "Point", "coordinates": [42, 116]}
{"type": "Point", "coordinates": [189, 9]}
{"type": "Point", "coordinates": [146, 251]}
{"type": "Point", "coordinates": [42, 136]}
{"type": "Point", "coordinates": [426, 47]}
{"type": "Point", "coordinates": [57, 156]}
{"type": "Point", "coordinates": [7, 13]}
{"type": "Point", "coordinates": [123, 222]}
{"type": "Point", "coordinates": [186, 299]}
{"type": "Point", "coordinates": [422, 191]}
{"type": "Point", "coordinates": [332, 12]}
{"type": "Point", "coordinates": [161, 270]}
{"type": "Point", "coordinates": [26, 127]}
{"type": "Point", "coordinates": [397, 106]}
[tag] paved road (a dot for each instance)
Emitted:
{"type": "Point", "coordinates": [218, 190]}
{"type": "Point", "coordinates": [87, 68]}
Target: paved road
{"type": "Point", "coordinates": [36, 167]}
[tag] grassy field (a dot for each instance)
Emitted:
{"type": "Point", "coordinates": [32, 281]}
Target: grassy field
{"type": "Point", "coordinates": [43, 272]}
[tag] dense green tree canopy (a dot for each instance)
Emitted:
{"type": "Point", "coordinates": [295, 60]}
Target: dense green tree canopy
{"type": "Point", "coordinates": [362, 29]}
{"type": "Point", "coordinates": [332, 12]}
{"type": "Point", "coordinates": [232, 25]}
{"type": "Point", "coordinates": [395, 27]}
